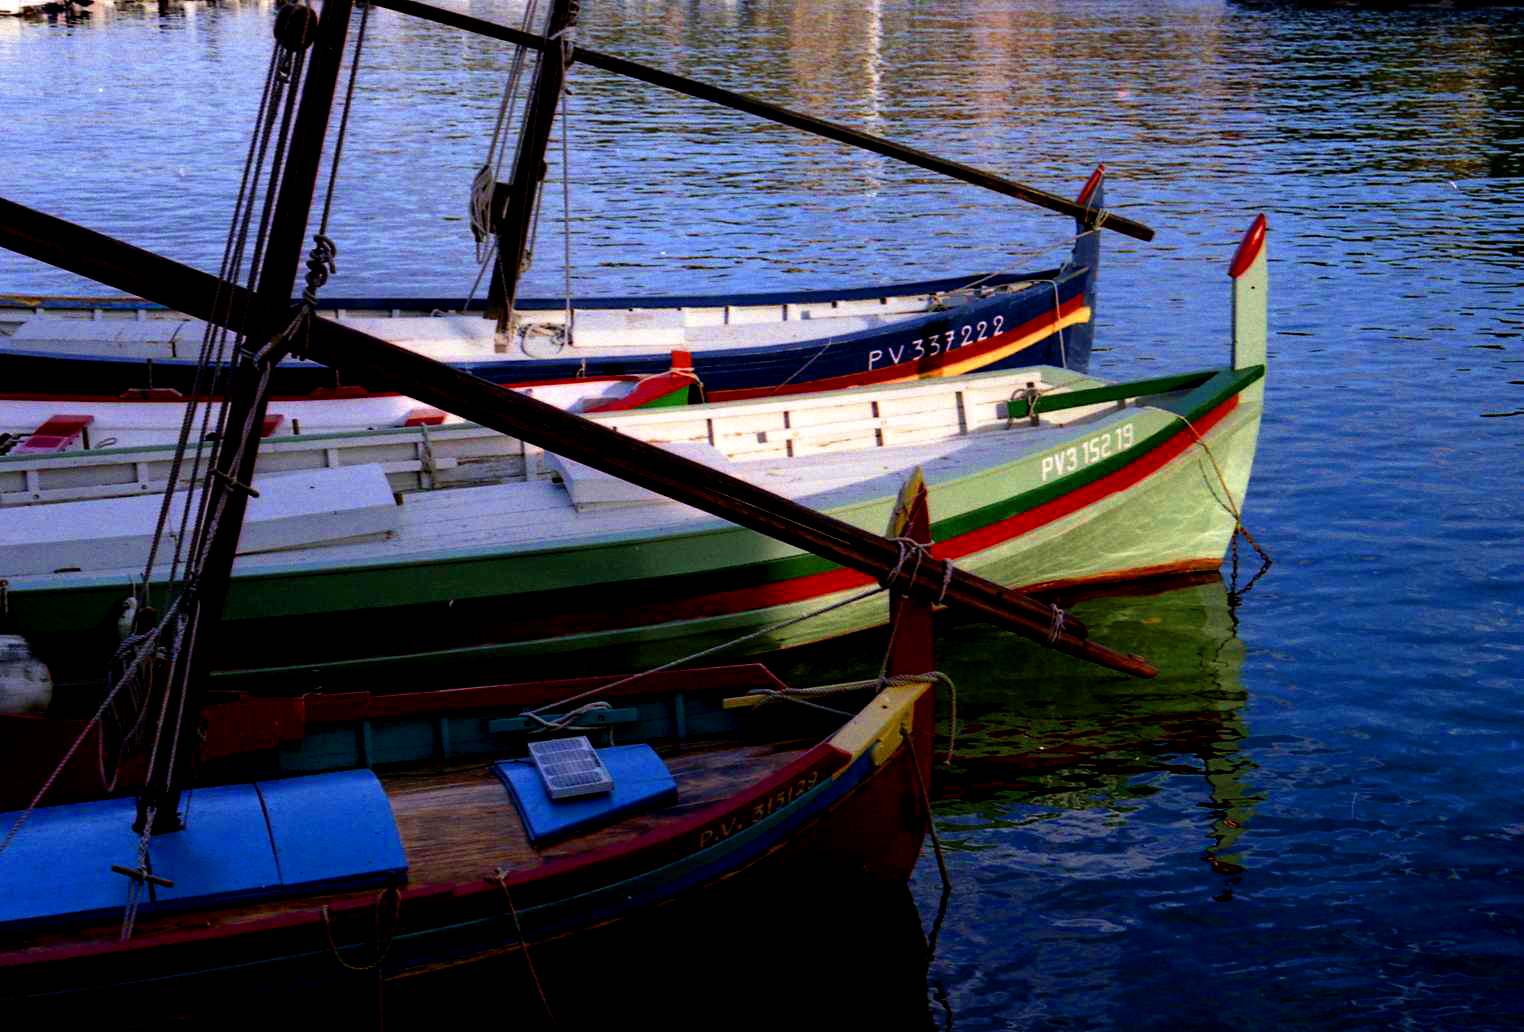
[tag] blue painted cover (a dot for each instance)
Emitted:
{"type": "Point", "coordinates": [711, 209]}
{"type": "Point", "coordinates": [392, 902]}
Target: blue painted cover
{"type": "Point", "coordinates": [268, 839]}
{"type": "Point", "coordinates": [641, 782]}
{"type": "Point", "coordinates": [332, 827]}
{"type": "Point", "coordinates": [61, 860]}
{"type": "Point", "coordinates": [224, 849]}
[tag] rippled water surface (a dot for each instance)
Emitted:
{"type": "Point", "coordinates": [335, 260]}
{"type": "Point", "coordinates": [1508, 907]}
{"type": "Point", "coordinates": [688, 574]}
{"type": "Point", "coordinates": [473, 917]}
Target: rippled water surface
{"type": "Point", "coordinates": [1312, 819]}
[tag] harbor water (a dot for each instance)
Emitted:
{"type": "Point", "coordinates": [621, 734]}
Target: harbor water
{"type": "Point", "coordinates": [1312, 818]}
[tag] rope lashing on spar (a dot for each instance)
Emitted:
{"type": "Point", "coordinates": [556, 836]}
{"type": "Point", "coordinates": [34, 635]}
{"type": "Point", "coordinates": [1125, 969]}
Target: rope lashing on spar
{"type": "Point", "coordinates": [1056, 629]}
{"type": "Point", "coordinates": [911, 548]}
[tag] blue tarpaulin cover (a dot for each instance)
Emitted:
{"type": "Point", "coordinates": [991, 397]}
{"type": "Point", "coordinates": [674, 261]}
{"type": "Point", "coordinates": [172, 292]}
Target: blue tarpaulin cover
{"type": "Point", "coordinates": [641, 782]}
{"type": "Point", "coordinates": [269, 838]}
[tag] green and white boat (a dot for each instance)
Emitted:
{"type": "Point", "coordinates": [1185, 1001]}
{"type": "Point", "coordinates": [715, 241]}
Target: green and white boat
{"type": "Point", "coordinates": [457, 553]}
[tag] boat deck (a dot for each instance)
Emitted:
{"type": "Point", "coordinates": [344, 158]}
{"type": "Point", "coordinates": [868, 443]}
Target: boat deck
{"type": "Point", "coordinates": [458, 824]}
{"type": "Point", "coordinates": [542, 515]}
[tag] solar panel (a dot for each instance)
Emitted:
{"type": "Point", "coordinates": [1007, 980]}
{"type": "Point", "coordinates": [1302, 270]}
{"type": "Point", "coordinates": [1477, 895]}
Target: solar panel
{"type": "Point", "coordinates": [569, 768]}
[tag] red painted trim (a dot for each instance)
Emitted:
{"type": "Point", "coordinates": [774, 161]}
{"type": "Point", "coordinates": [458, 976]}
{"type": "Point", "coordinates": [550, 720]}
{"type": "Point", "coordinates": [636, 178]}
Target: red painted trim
{"type": "Point", "coordinates": [1249, 247]}
{"type": "Point", "coordinates": [346, 391]}
{"type": "Point", "coordinates": [352, 705]}
{"type": "Point", "coordinates": [1091, 493]}
{"type": "Point", "coordinates": [423, 417]}
{"type": "Point", "coordinates": [1090, 184]}
{"type": "Point", "coordinates": [647, 390]}
{"type": "Point", "coordinates": [169, 396]}
{"type": "Point", "coordinates": [831, 581]}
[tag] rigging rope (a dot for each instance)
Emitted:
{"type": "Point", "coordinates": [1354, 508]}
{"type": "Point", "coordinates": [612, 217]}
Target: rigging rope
{"type": "Point", "coordinates": [79, 740]}
{"type": "Point", "coordinates": [1227, 500]}
{"type": "Point", "coordinates": [383, 943]}
{"type": "Point", "coordinates": [905, 552]}
{"type": "Point", "coordinates": [502, 881]}
{"type": "Point", "coordinates": [485, 181]}
{"type": "Point", "coordinates": [568, 37]}
{"type": "Point", "coordinates": [274, 119]}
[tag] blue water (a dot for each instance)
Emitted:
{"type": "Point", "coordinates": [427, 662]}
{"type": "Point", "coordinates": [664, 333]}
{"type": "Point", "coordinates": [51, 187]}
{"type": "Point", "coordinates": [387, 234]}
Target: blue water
{"type": "Point", "coordinates": [1312, 818]}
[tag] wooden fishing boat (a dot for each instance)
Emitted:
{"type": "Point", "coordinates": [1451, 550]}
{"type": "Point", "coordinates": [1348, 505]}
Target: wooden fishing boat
{"type": "Point", "coordinates": [278, 843]}
{"type": "Point", "coordinates": [448, 551]}
{"type": "Point", "coordinates": [742, 345]}
{"type": "Point", "coordinates": [299, 511]}
{"type": "Point", "coordinates": [410, 832]}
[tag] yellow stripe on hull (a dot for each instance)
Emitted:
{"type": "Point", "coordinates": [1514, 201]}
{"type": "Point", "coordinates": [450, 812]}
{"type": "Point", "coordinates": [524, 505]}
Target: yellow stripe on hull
{"type": "Point", "coordinates": [1078, 316]}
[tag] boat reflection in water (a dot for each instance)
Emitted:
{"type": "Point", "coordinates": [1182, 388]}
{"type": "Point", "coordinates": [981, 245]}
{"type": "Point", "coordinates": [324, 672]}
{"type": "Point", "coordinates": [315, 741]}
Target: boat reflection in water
{"type": "Point", "coordinates": [1040, 737]}
{"type": "Point", "coordinates": [1076, 801]}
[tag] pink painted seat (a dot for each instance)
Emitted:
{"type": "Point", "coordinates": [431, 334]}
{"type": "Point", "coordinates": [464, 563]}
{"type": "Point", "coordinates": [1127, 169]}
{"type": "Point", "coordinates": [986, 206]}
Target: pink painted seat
{"type": "Point", "coordinates": [56, 434]}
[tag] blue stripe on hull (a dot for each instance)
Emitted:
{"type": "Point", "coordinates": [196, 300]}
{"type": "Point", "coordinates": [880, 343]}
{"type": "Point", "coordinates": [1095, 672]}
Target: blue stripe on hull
{"type": "Point", "coordinates": [733, 369]}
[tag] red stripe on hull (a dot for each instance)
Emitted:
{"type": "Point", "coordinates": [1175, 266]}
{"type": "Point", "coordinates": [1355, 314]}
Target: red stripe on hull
{"type": "Point", "coordinates": [1091, 493]}
{"type": "Point", "coordinates": [818, 585]}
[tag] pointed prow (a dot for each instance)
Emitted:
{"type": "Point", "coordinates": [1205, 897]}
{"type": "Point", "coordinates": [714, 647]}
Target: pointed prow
{"type": "Point", "coordinates": [1251, 296]}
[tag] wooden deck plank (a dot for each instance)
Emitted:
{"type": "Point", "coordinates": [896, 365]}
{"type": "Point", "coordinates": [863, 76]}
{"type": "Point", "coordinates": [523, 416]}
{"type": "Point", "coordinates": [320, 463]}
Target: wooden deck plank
{"type": "Point", "coordinates": [459, 825]}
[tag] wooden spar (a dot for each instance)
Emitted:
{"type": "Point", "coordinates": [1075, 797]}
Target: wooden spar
{"type": "Point", "coordinates": [773, 113]}
{"type": "Point", "coordinates": [517, 212]}
{"type": "Point", "coordinates": [388, 366]}
{"type": "Point", "coordinates": [227, 493]}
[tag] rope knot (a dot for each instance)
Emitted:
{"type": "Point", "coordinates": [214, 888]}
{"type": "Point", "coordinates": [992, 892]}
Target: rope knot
{"type": "Point", "coordinates": [909, 547]}
{"type": "Point", "coordinates": [320, 266]}
{"type": "Point", "coordinates": [1056, 629]}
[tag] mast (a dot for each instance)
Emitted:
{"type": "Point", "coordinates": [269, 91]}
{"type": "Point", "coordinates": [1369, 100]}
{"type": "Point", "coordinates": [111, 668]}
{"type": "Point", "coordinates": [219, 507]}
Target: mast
{"type": "Point", "coordinates": [513, 202]}
{"type": "Point", "coordinates": [230, 484]}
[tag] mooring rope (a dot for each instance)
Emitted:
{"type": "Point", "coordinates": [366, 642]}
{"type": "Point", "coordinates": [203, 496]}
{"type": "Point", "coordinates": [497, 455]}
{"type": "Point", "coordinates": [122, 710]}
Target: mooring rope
{"type": "Point", "coordinates": [1227, 502]}
{"type": "Point", "coordinates": [502, 881]}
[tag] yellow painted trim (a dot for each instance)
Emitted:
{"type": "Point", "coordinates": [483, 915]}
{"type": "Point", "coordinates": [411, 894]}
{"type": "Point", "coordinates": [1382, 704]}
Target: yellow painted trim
{"type": "Point", "coordinates": [883, 723]}
{"type": "Point", "coordinates": [1074, 318]}
{"type": "Point", "coordinates": [1079, 315]}
{"type": "Point", "coordinates": [904, 505]}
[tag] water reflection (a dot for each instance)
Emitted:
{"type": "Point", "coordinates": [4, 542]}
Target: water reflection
{"type": "Point", "coordinates": [1041, 736]}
